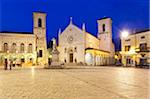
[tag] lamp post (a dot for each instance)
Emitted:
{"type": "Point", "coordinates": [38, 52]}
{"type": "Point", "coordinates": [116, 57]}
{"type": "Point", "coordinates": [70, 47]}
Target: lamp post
{"type": "Point", "coordinates": [36, 41]}
{"type": "Point", "coordinates": [135, 63]}
{"type": "Point", "coordinates": [124, 35]}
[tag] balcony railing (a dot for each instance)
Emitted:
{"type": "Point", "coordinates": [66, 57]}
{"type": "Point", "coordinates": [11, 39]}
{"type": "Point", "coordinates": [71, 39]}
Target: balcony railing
{"type": "Point", "coordinates": [138, 50]}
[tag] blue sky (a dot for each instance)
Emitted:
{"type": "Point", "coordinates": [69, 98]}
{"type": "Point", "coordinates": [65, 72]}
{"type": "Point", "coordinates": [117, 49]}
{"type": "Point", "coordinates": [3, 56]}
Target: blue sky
{"type": "Point", "coordinates": [16, 15]}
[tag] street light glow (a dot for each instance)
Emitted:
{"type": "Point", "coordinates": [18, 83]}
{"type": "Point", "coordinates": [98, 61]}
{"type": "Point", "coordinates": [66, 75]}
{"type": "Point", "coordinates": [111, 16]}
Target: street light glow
{"type": "Point", "coordinates": [124, 34]}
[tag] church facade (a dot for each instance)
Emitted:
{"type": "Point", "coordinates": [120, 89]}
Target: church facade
{"type": "Point", "coordinates": [24, 47]}
{"type": "Point", "coordinates": [77, 46]}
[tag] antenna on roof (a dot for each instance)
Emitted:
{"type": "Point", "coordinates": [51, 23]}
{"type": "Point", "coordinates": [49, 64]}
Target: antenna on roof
{"type": "Point", "coordinates": [71, 20]}
{"type": "Point", "coordinates": [59, 31]}
{"type": "Point", "coordinates": [83, 27]}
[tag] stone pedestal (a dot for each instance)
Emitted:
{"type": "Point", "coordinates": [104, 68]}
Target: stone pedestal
{"type": "Point", "coordinates": [55, 57]}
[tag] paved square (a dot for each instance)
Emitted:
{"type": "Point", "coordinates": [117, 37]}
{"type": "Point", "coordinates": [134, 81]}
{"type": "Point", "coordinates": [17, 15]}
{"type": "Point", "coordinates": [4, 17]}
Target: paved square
{"type": "Point", "coordinates": [78, 83]}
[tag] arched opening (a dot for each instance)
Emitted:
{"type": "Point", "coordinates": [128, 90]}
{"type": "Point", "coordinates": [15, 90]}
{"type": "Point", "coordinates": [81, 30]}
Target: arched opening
{"type": "Point", "coordinates": [30, 60]}
{"type": "Point", "coordinates": [13, 48]}
{"type": "Point", "coordinates": [30, 48]}
{"type": "Point", "coordinates": [103, 27]}
{"type": "Point", "coordinates": [89, 59]}
{"type": "Point", "coordinates": [39, 22]}
{"type": "Point", "coordinates": [71, 57]}
{"type": "Point", "coordinates": [22, 48]}
{"type": "Point", "coordinates": [22, 59]}
{"type": "Point", "coordinates": [40, 53]}
{"type": "Point", "coordinates": [65, 60]}
{"type": "Point", "coordinates": [5, 47]}
{"type": "Point", "coordinates": [65, 50]}
{"type": "Point", "coordinates": [75, 49]}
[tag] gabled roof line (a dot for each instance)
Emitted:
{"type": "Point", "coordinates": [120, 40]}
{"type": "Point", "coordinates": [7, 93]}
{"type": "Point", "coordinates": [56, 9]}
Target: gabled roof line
{"type": "Point", "coordinates": [79, 29]}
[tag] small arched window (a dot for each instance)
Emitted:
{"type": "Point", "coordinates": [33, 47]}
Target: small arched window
{"type": "Point", "coordinates": [22, 48]}
{"type": "Point", "coordinates": [65, 50]}
{"type": "Point", "coordinates": [5, 47]}
{"type": "Point", "coordinates": [65, 60]}
{"type": "Point", "coordinates": [103, 27]}
{"type": "Point", "coordinates": [30, 48]}
{"type": "Point", "coordinates": [39, 22]}
{"type": "Point", "coordinates": [13, 48]}
{"type": "Point", "coordinates": [75, 60]}
{"type": "Point", "coordinates": [75, 49]}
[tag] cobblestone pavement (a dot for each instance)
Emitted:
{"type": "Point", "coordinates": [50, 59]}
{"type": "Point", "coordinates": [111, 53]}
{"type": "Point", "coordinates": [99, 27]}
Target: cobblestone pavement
{"type": "Point", "coordinates": [77, 83]}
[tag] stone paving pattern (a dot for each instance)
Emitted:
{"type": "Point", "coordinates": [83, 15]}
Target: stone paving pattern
{"type": "Point", "coordinates": [75, 83]}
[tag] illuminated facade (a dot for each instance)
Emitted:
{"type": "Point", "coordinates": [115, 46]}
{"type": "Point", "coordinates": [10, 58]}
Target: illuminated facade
{"type": "Point", "coordinates": [136, 49]}
{"type": "Point", "coordinates": [23, 47]}
{"type": "Point", "coordinates": [77, 46]}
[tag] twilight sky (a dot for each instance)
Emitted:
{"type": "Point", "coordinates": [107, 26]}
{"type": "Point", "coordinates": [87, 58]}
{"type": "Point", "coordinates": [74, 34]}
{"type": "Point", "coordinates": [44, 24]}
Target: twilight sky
{"type": "Point", "coordinates": [16, 15]}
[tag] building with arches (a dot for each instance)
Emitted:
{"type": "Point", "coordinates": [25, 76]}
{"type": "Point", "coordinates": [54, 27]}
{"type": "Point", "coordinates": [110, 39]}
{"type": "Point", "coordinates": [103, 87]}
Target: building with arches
{"type": "Point", "coordinates": [135, 49]}
{"type": "Point", "coordinates": [77, 46]}
{"type": "Point", "coordinates": [25, 47]}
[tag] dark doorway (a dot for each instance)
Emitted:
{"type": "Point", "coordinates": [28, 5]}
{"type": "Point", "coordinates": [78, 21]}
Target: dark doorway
{"type": "Point", "coordinates": [31, 60]}
{"type": "Point", "coordinates": [22, 60]}
{"type": "Point", "coordinates": [40, 53]}
{"type": "Point", "coordinates": [71, 57]}
{"type": "Point", "coordinates": [49, 61]}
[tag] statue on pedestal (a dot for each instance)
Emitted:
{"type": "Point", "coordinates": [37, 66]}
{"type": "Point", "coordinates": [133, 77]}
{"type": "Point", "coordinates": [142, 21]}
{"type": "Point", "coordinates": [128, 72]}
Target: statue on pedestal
{"type": "Point", "coordinates": [55, 56]}
{"type": "Point", "coordinates": [55, 52]}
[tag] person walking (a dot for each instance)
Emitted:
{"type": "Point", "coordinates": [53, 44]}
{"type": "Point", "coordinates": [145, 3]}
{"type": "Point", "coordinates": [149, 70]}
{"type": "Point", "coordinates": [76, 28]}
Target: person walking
{"type": "Point", "coordinates": [9, 64]}
{"type": "Point", "coordinates": [5, 65]}
{"type": "Point", "coordinates": [13, 63]}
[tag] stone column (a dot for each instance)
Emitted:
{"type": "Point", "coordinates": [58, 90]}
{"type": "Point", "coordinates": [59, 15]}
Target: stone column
{"type": "Point", "coordinates": [93, 63]}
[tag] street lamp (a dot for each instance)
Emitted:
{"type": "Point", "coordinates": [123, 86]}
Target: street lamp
{"type": "Point", "coordinates": [124, 34]}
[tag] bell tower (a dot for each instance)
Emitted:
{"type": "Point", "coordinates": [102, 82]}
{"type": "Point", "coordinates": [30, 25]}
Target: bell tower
{"type": "Point", "coordinates": [105, 33]}
{"type": "Point", "coordinates": [39, 30]}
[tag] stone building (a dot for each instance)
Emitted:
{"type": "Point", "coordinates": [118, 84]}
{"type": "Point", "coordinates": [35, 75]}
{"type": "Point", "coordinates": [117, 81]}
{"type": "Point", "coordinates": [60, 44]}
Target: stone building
{"type": "Point", "coordinates": [135, 49]}
{"type": "Point", "coordinates": [78, 46]}
{"type": "Point", "coordinates": [24, 47]}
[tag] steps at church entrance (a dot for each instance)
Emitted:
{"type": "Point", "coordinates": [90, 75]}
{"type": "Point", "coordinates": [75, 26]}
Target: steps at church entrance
{"type": "Point", "coordinates": [74, 64]}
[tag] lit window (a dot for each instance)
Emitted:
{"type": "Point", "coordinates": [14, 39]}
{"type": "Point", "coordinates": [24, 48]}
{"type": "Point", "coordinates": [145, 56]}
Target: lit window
{"type": "Point", "coordinates": [127, 48]}
{"type": "Point", "coordinates": [30, 48]}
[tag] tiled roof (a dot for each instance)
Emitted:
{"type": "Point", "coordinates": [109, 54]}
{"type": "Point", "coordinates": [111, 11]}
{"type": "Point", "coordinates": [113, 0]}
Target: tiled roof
{"type": "Point", "coordinates": [96, 49]}
{"type": "Point", "coordinates": [141, 31]}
